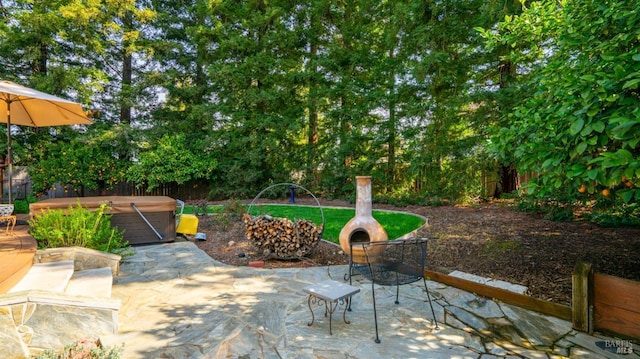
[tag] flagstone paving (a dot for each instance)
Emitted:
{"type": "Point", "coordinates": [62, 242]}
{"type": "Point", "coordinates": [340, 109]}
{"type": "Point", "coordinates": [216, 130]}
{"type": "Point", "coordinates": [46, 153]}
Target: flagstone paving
{"type": "Point", "coordinates": [177, 302]}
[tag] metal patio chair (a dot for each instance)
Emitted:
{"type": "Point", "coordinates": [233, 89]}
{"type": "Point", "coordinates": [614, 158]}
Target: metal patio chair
{"type": "Point", "coordinates": [389, 263]}
{"type": "Point", "coordinates": [7, 216]}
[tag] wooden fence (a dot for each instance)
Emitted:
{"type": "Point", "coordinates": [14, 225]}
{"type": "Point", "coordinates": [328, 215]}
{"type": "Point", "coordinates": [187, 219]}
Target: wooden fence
{"type": "Point", "coordinates": [605, 303]}
{"type": "Point", "coordinates": [194, 190]}
{"type": "Point", "coordinates": [21, 185]}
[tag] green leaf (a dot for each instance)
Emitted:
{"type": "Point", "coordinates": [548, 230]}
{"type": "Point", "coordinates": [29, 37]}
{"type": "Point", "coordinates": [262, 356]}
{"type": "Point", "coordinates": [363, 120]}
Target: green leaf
{"type": "Point", "coordinates": [558, 183]}
{"type": "Point", "coordinates": [629, 172]}
{"type": "Point", "coordinates": [598, 126]}
{"type": "Point", "coordinates": [627, 195]}
{"type": "Point", "coordinates": [576, 170]}
{"type": "Point", "coordinates": [588, 78]}
{"type": "Point", "coordinates": [582, 146]}
{"type": "Point", "coordinates": [631, 84]}
{"type": "Point", "coordinates": [586, 131]}
{"type": "Point", "coordinates": [625, 155]}
{"type": "Point", "coordinates": [576, 127]}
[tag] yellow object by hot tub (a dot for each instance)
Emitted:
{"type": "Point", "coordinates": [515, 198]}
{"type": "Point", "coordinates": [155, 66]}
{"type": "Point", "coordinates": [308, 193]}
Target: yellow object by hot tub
{"type": "Point", "coordinates": [188, 224]}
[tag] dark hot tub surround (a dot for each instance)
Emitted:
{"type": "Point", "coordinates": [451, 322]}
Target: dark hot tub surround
{"type": "Point", "coordinates": [363, 227]}
{"type": "Point", "coordinates": [144, 219]}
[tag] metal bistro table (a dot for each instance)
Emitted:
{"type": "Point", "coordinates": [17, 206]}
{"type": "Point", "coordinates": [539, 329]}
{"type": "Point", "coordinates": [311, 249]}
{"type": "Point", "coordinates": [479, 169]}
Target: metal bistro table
{"type": "Point", "coordinates": [331, 294]}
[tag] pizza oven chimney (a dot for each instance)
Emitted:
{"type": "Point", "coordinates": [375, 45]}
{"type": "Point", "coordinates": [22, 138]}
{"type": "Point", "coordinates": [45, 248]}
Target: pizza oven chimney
{"type": "Point", "coordinates": [363, 227]}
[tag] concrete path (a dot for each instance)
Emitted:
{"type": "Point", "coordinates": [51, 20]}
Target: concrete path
{"type": "Point", "coordinates": [177, 302]}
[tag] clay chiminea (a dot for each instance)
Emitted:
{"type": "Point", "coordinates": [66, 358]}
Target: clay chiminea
{"type": "Point", "coordinates": [363, 227]}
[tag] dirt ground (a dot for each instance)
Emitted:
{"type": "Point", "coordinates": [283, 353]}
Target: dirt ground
{"type": "Point", "coordinates": [490, 240]}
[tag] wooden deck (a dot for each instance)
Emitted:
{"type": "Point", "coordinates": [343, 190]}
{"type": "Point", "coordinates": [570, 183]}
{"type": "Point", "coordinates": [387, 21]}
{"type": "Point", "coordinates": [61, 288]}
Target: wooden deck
{"type": "Point", "coordinates": [16, 256]}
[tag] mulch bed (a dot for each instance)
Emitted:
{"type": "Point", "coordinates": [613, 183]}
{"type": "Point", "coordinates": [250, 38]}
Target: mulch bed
{"type": "Point", "coordinates": [490, 240]}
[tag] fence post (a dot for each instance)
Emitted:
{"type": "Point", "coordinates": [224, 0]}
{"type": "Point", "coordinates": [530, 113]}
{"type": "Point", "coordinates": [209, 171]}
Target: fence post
{"type": "Point", "coordinates": [581, 298]}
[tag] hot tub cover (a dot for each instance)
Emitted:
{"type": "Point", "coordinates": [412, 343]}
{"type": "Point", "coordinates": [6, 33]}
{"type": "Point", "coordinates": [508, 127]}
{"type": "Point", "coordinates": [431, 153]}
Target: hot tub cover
{"type": "Point", "coordinates": [118, 204]}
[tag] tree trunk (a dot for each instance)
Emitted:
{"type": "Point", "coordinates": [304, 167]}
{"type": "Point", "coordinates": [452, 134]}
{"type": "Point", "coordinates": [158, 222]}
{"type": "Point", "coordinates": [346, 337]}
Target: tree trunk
{"type": "Point", "coordinates": [509, 180]}
{"type": "Point", "coordinates": [312, 132]}
{"type": "Point", "coordinates": [391, 143]}
{"type": "Point", "coordinates": [125, 108]}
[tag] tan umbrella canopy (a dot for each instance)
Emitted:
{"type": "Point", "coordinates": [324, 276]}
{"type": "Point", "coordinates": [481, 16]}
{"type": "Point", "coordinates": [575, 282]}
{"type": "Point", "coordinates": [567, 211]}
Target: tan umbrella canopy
{"type": "Point", "coordinates": [28, 107]}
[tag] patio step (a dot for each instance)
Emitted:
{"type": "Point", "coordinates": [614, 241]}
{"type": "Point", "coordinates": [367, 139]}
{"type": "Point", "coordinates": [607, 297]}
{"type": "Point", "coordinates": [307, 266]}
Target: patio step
{"type": "Point", "coordinates": [50, 277]}
{"type": "Point", "coordinates": [95, 283]}
{"type": "Point", "coordinates": [60, 277]}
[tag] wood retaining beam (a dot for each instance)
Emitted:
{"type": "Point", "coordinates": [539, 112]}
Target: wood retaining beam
{"type": "Point", "coordinates": [503, 295]}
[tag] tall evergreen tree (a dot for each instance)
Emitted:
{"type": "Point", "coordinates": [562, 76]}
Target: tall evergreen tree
{"type": "Point", "coordinates": [266, 91]}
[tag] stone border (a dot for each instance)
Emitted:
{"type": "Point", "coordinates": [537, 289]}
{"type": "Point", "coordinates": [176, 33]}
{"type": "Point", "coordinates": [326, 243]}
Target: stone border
{"type": "Point", "coordinates": [27, 315]}
{"type": "Point", "coordinates": [44, 297]}
{"type": "Point", "coordinates": [83, 258]}
{"type": "Point", "coordinates": [27, 319]}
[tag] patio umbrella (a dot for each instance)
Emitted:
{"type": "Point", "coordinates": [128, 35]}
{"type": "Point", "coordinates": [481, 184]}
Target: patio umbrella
{"type": "Point", "coordinates": [28, 107]}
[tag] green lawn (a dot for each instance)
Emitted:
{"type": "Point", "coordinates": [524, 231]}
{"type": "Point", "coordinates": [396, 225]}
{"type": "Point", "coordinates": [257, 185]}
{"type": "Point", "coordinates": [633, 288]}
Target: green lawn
{"type": "Point", "coordinates": [396, 224]}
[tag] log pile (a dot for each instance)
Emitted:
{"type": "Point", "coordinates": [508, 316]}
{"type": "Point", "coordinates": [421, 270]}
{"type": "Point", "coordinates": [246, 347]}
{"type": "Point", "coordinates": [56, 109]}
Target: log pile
{"type": "Point", "coordinates": [282, 237]}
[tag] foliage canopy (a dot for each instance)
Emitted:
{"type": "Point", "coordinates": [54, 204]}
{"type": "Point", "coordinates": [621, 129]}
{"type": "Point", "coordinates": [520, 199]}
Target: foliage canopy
{"type": "Point", "coordinates": [433, 99]}
{"type": "Point", "coordinates": [577, 129]}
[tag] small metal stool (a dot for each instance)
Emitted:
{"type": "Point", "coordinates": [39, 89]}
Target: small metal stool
{"type": "Point", "coordinates": [331, 294]}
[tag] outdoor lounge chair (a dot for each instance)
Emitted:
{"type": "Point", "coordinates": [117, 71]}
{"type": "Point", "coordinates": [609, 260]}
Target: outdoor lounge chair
{"type": "Point", "coordinates": [393, 263]}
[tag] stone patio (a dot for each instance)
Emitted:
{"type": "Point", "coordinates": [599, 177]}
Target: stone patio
{"type": "Point", "coordinates": [177, 302]}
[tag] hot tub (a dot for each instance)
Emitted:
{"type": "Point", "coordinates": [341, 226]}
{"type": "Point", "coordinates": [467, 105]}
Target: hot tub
{"type": "Point", "coordinates": [144, 219]}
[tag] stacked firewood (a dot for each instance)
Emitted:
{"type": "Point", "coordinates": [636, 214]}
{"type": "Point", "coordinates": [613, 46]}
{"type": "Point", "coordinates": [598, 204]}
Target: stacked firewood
{"type": "Point", "coordinates": [281, 236]}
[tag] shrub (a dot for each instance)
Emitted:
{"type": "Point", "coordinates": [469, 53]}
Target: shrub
{"type": "Point", "coordinates": [622, 215]}
{"type": "Point", "coordinates": [84, 349]}
{"type": "Point", "coordinates": [227, 212]}
{"type": "Point", "coordinates": [22, 205]}
{"type": "Point", "coordinates": [77, 227]}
